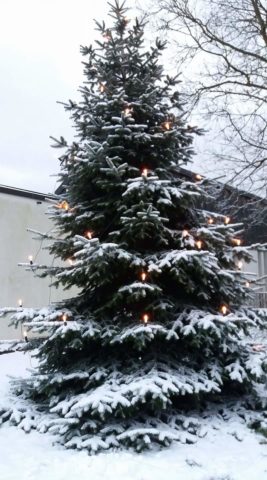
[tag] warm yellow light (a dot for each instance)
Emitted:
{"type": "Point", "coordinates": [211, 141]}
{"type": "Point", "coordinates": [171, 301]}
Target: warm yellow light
{"type": "Point", "coordinates": [167, 125]}
{"type": "Point", "coordinates": [224, 309]}
{"type": "Point", "coordinates": [70, 261]}
{"type": "Point", "coordinates": [64, 318]}
{"type": "Point", "coordinates": [145, 172]}
{"type": "Point", "coordinates": [210, 221]}
{"type": "Point", "coordinates": [64, 205]}
{"type": "Point", "coordinates": [247, 284]}
{"type": "Point", "coordinates": [185, 233]}
{"type": "Point", "coordinates": [236, 241]}
{"type": "Point", "coordinates": [227, 220]}
{"type": "Point", "coordinates": [198, 177]}
{"type": "Point", "coordinates": [127, 111]}
{"type": "Point", "coordinates": [20, 302]}
{"type": "Point", "coordinates": [30, 258]}
{"type": "Point", "coordinates": [199, 244]}
{"type": "Point", "coordinates": [239, 265]}
{"type": "Point", "coordinates": [145, 318]}
{"type": "Point", "coordinates": [102, 87]}
{"type": "Point", "coordinates": [143, 276]}
{"type": "Point", "coordinates": [89, 234]}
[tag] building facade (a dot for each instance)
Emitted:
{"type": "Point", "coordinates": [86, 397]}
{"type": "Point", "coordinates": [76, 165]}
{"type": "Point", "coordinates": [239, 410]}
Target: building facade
{"type": "Point", "coordinates": [20, 210]}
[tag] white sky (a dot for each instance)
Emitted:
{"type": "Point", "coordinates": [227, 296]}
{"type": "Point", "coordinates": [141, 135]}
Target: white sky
{"type": "Point", "coordinates": [40, 65]}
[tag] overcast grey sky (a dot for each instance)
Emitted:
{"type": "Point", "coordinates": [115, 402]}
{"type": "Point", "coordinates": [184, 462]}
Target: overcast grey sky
{"type": "Point", "coordinates": [40, 64]}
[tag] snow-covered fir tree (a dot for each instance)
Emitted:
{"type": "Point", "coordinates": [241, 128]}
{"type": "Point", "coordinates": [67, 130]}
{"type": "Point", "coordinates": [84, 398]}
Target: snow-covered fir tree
{"type": "Point", "coordinates": [157, 327]}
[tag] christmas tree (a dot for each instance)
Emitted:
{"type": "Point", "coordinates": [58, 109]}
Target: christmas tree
{"type": "Point", "coordinates": [156, 328]}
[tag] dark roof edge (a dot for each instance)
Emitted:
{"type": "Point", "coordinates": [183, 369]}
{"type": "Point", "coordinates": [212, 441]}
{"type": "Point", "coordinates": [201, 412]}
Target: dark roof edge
{"type": "Point", "coordinates": [226, 186]}
{"type": "Point", "coordinates": [19, 192]}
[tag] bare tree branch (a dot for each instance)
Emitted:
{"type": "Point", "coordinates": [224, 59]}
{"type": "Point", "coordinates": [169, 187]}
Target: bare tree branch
{"type": "Point", "coordinates": [224, 42]}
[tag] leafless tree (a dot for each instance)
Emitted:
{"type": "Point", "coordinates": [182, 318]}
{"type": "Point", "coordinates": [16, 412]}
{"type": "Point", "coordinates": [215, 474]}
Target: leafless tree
{"type": "Point", "coordinates": [223, 43]}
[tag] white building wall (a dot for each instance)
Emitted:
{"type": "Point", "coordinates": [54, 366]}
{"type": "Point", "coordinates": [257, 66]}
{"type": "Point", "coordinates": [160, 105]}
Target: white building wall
{"type": "Point", "coordinates": [258, 268]}
{"type": "Point", "coordinates": [252, 267]}
{"type": "Point", "coordinates": [18, 213]}
{"type": "Point", "coordinates": [262, 267]}
{"type": "Point", "coordinates": [260, 290]}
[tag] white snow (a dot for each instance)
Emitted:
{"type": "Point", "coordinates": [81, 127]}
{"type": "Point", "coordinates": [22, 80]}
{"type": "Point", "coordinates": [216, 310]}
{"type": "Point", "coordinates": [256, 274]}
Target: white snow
{"type": "Point", "coordinates": [229, 452]}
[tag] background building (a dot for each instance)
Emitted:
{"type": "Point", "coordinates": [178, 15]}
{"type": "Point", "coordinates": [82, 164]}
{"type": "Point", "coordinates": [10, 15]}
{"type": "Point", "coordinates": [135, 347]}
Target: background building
{"type": "Point", "coordinates": [19, 210]}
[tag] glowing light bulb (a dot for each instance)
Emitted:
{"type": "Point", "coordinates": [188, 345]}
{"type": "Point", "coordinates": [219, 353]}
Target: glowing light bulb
{"type": "Point", "coordinates": [25, 335]}
{"type": "Point", "coordinates": [127, 111]}
{"type": "Point", "coordinates": [224, 309]}
{"type": "Point", "coordinates": [247, 284]}
{"type": "Point", "coordinates": [210, 221]}
{"type": "Point", "coordinates": [145, 172]}
{"type": "Point", "coordinates": [199, 244]}
{"type": "Point", "coordinates": [65, 318]}
{"type": "Point", "coordinates": [239, 265]}
{"type": "Point", "coordinates": [236, 241]}
{"type": "Point", "coordinates": [167, 125]}
{"type": "Point", "coordinates": [102, 87]}
{"type": "Point", "coordinates": [89, 235]}
{"type": "Point", "coordinates": [63, 205]}
{"type": "Point", "coordinates": [143, 276]}
{"type": "Point", "coordinates": [20, 302]}
{"type": "Point", "coordinates": [30, 258]}
{"type": "Point", "coordinates": [227, 220]}
{"type": "Point", "coordinates": [70, 261]}
{"type": "Point", "coordinates": [198, 177]}
{"type": "Point", "coordinates": [185, 233]}
{"type": "Point", "coordinates": [145, 318]}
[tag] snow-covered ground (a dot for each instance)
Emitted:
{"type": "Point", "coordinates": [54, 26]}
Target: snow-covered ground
{"type": "Point", "coordinates": [218, 456]}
